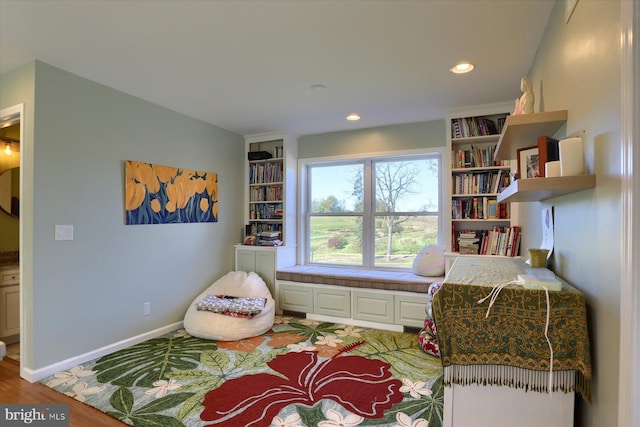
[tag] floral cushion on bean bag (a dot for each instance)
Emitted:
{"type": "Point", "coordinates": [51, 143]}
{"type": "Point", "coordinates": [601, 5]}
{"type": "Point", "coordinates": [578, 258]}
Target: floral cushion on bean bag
{"type": "Point", "coordinates": [225, 326]}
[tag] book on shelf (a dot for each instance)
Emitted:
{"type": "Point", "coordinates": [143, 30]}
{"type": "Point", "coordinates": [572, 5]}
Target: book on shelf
{"type": "Point", "coordinates": [268, 234]}
{"type": "Point", "coordinates": [492, 209]}
{"type": "Point", "coordinates": [264, 241]}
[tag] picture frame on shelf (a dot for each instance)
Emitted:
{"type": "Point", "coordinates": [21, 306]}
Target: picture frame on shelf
{"type": "Point", "coordinates": [529, 162]}
{"type": "Point", "coordinates": [548, 151]}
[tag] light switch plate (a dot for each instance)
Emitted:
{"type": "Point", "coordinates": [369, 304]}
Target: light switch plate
{"type": "Point", "coordinates": [64, 232]}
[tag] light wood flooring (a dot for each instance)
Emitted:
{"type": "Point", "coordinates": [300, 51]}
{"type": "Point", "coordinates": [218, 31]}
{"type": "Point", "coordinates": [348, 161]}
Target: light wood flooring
{"type": "Point", "coordinates": [15, 390]}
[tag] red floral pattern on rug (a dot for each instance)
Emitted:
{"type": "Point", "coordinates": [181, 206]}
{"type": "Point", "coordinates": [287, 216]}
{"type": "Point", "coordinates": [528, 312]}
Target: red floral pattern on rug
{"type": "Point", "coordinates": [362, 386]}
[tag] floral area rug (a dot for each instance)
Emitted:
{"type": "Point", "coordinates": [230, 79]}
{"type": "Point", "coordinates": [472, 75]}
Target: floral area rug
{"type": "Point", "coordinates": [301, 373]}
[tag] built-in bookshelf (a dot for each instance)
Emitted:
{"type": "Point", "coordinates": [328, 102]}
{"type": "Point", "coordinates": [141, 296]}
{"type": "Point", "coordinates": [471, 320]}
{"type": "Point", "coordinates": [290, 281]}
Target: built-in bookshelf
{"type": "Point", "coordinates": [480, 225]}
{"type": "Point", "coordinates": [270, 194]}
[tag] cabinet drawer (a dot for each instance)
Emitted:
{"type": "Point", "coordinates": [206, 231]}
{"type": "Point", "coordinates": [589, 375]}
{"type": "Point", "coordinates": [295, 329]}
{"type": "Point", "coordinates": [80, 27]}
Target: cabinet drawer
{"type": "Point", "coordinates": [375, 307]}
{"type": "Point", "coordinates": [10, 278]}
{"type": "Point", "coordinates": [409, 310]}
{"type": "Point", "coordinates": [295, 298]}
{"type": "Point", "coordinates": [332, 302]}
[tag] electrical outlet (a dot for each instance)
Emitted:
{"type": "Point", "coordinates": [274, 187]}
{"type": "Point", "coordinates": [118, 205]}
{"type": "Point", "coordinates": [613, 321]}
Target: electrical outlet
{"type": "Point", "coordinates": [146, 308]}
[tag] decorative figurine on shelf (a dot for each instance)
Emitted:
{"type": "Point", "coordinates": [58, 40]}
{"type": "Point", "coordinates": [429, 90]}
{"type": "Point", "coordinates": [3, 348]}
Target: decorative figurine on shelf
{"type": "Point", "coordinates": [524, 104]}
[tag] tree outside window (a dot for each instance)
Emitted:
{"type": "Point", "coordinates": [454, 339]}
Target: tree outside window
{"type": "Point", "coordinates": [372, 212]}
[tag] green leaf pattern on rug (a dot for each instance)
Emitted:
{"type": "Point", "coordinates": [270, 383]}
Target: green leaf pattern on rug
{"type": "Point", "coordinates": [123, 401]}
{"type": "Point", "coordinates": [402, 352]}
{"type": "Point", "coordinates": [150, 361]}
{"type": "Point", "coordinates": [310, 416]}
{"type": "Point", "coordinates": [310, 328]}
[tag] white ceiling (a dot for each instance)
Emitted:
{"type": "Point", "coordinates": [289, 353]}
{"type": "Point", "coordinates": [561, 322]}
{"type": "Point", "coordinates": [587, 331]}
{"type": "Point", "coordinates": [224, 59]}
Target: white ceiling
{"type": "Point", "coordinates": [248, 65]}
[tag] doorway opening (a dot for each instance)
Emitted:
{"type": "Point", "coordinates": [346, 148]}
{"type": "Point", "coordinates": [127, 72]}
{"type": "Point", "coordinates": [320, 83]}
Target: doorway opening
{"type": "Point", "coordinates": [11, 159]}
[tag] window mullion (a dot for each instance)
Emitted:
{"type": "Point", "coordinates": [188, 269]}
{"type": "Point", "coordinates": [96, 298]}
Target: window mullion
{"type": "Point", "coordinates": [368, 218]}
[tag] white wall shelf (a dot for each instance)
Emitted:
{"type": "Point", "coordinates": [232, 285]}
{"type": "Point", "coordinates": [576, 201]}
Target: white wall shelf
{"type": "Point", "coordinates": [523, 130]}
{"type": "Point", "coordinates": [537, 189]}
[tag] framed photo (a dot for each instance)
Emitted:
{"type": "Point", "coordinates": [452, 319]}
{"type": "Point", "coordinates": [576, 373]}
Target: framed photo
{"type": "Point", "coordinates": [528, 162]}
{"type": "Point", "coordinates": [548, 151]}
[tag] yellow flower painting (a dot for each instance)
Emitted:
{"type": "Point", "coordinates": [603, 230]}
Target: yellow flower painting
{"type": "Point", "coordinates": [156, 194]}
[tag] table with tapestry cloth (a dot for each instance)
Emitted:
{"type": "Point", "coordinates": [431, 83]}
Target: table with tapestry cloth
{"type": "Point", "coordinates": [508, 347]}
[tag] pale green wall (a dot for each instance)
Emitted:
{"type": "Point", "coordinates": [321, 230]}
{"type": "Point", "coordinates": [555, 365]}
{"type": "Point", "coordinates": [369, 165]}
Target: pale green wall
{"type": "Point", "coordinates": [380, 139]}
{"type": "Point", "coordinates": [577, 68]}
{"type": "Point", "coordinates": [87, 293]}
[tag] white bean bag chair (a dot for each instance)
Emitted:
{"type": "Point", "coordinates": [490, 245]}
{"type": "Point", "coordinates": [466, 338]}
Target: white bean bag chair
{"type": "Point", "coordinates": [222, 327]}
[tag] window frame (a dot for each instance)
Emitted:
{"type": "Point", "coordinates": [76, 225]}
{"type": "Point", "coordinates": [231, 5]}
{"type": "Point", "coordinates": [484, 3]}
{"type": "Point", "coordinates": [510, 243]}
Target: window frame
{"type": "Point", "coordinates": [368, 249]}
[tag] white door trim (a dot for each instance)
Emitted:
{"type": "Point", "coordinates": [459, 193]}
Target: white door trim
{"type": "Point", "coordinates": [629, 374]}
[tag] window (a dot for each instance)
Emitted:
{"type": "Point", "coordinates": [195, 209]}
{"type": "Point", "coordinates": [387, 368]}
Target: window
{"type": "Point", "coordinates": [371, 212]}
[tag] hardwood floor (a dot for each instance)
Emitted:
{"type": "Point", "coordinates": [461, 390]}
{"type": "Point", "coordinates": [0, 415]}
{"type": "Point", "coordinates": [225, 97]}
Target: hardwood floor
{"type": "Point", "coordinates": [14, 389]}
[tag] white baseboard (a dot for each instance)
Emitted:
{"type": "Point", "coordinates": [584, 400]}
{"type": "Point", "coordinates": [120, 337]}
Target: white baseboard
{"type": "Point", "coordinates": [32, 375]}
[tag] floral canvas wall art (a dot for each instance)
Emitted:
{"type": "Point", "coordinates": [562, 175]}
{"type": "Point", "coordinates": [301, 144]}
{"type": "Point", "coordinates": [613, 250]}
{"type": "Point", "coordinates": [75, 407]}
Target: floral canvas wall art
{"type": "Point", "coordinates": [156, 194]}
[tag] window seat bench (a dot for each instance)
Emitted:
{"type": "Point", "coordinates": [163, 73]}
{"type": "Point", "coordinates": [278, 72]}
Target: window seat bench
{"type": "Point", "coordinates": [356, 278]}
{"type": "Point", "coordinates": [380, 299]}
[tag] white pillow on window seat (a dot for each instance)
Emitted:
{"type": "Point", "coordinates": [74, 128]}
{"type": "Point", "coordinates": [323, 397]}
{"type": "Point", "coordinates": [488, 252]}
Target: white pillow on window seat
{"type": "Point", "coordinates": [429, 261]}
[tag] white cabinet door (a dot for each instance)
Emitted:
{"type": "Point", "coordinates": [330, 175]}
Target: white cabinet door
{"type": "Point", "coordinates": [9, 310]}
{"type": "Point", "coordinates": [373, 306]}
{"type": "Point", "coordinates": [245, 260]}
{"type": "Point", "coordinates": [266, 268]}
{"type": "Point", "coordinates": [410, 310]}
{"type": "Point", "coordinates": [259, 260]}
{"type": "Point", "coordinates": [332, 302]}
{"type": "Point", "coordinates": [298, 298]}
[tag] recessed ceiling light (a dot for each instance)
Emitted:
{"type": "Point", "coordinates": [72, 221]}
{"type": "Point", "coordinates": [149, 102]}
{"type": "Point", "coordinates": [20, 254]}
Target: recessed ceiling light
{"type": "Point", "coordinates": [318, 88]}
{"type": "Point", "coordinates": [461, 68]}
{"type": "Point", "coordinates": [353, 117]}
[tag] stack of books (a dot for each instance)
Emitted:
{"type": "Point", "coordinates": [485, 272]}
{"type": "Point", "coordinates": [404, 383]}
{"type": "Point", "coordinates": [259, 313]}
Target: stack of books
{"type": "Point", "coordinates": [269, 238]}
{"type": "Point", "coordinates": [468, 242]}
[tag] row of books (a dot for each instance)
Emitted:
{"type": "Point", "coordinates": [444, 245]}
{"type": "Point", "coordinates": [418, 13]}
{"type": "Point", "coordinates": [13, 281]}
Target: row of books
{"type": "Point", "coordinates": [504, 241]}
{"type": "Point", "coordinates": [260, 173]}
{"type": "Point", "coordinates": [479, 208]}
{"type": "Point", "coordinates": [491, 182]}
{"type": "Point", "coordinates": [476, 157]}
{"type": "Point", "coordinates": [259, 211]}
{"type": "Point", "coordinates": [476, 126]}
{"type": "Point", "coordinates": [266, 194]}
